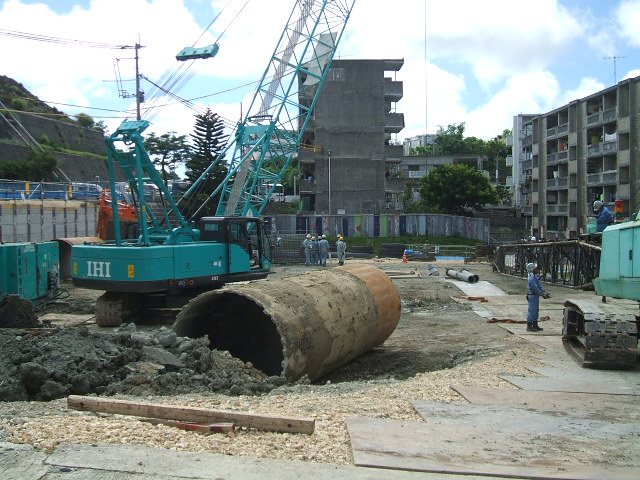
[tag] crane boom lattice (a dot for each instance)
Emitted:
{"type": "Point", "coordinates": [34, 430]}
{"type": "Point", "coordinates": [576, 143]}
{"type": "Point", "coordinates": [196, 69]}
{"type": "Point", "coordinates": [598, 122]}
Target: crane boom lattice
{"type": "Point", "coordinates": [265, 141]}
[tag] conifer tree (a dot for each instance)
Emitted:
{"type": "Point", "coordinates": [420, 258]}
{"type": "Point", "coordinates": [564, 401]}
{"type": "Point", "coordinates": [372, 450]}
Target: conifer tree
{"type": "Point", "coordinates": [209, 140]}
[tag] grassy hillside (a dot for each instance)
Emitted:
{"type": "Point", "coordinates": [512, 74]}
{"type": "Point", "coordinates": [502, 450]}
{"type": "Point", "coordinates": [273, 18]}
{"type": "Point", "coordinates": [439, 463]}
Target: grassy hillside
{"type": "Point", "coordinates": [16, 97]}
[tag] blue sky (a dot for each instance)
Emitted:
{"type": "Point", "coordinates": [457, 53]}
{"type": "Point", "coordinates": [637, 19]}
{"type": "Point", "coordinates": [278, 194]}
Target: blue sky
{"type": "Point", "coordinates": [484, 61]}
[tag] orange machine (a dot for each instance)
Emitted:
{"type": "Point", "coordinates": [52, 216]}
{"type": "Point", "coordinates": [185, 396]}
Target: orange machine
{"type": "Point", "coordinates": [126, 213]}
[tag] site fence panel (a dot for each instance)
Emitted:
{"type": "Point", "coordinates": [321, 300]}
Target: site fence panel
{"type": "Point", "coordinates": [385, 225]}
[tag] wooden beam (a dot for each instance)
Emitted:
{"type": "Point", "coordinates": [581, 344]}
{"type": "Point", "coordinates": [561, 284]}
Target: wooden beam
{"type": "Point", "coordinates": [192, 414]}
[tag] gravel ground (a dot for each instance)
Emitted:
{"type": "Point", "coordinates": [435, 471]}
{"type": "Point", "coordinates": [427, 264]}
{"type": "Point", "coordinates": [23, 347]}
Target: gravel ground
{"type": "Point", "coordinates": [438, 343]}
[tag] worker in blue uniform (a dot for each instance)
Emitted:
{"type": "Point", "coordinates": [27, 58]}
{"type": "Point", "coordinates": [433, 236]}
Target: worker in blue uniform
{"type": "Point", "coordinates": [306, 244]}
{"type": "Point", "coordinates": [535, 291]}
{"type": "Point", "coordinates": [315, 251]}
{"type": "Point", "coordinates": [323, 247]}
{"type": "Point", "coordinates": [605, 217]}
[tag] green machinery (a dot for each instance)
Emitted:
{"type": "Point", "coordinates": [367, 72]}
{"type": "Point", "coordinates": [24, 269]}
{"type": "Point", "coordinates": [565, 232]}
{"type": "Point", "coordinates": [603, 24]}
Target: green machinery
{"type": "Point", "coordinates": [30, 275]}
{"type": "Point", "coordinates": [173, 258]}
{"type": "Point", "coordinates": [601, 334]}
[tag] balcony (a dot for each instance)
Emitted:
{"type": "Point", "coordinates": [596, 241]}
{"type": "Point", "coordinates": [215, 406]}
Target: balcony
{"type": "Point", "coordinates": [528, 210]}
{"type": "Point", "coordinates": [602, 178]}
{"type": "Point", "coordinates": [604, 148]}
{"type": "Point", "coordinates": [559, 130]}
{"type": "Point", "coordinates": [555, 158]}
{"type": "Point", "coordinates": [393, 122]}
{"type": "Point", "coordinates": [557, 183]}
{"type": "Point", "coordinates": [393, 91]}
{"type": "Point", "coordinates": [556, 209]}
{"type": "Point", "coordinates": [527, 165]}
{"type": "Point", "coordinates": [602, 117]}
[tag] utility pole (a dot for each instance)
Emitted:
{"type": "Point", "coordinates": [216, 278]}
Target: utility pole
{"type": "Point", "coordinates": [139, 93]}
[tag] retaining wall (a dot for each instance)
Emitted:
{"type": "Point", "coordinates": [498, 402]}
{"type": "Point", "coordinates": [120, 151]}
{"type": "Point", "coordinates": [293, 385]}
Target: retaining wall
{"type": "Point", "coordinates": [43, 221]}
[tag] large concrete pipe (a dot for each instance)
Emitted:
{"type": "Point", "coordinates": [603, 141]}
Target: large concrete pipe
{"type": "Point", "coordinates": [307, 324]}
{"type": "Point", "coordinates": [463, 275]}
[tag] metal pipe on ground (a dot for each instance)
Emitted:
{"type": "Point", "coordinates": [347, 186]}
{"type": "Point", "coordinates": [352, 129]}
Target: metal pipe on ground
{"type": "Point", "coordinates": [307, 324]}
{"type": "Point", "coordinates": [463, 275]}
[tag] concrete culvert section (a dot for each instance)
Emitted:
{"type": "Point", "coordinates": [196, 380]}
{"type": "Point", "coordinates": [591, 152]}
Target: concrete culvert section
{"type": "Point", "coordinates": [306, 324]}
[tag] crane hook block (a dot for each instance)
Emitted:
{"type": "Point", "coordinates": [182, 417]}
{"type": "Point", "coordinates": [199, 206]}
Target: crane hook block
{"type": "Point", "coordinates": [192, 53]}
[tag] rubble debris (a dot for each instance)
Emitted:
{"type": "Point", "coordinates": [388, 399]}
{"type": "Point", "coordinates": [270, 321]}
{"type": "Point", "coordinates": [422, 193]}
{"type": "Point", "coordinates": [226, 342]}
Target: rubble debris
{"type": "Point", "coordinates": [49, 363]}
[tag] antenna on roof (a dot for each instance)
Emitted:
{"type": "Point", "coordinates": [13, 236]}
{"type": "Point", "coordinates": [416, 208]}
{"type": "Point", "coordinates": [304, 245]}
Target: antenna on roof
{"type": "Point", "coordinates": [614, 58]}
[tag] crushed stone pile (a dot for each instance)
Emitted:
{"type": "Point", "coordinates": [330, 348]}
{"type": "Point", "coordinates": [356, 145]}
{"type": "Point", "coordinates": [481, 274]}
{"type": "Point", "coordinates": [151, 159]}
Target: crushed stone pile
{"type": "Point", "coordinates": [49, 363]}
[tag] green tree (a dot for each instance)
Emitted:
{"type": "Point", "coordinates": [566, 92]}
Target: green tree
{"type": "Point", "coordinates": [36, 167]}
{"type": "Point", "coordinates": [455, 188]}
{"type": "Point", "coordinates": [209, 140]}
{"type": "Point", "coordinates": [450, 141]}
{"type": "Point", "coordinates": [85, 120]}
{"type": "Point", "coordinates": [167, 151]}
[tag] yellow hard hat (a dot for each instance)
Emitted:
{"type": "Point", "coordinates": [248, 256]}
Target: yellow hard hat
{"type": "Point", "coordinates": [308, 235]}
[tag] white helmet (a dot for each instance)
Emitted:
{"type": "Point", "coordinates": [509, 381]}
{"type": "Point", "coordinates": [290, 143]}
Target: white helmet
{"type": "Point", "coordinates": [531, 267]}
{"type": "Point", "coordinates": [597, 205]}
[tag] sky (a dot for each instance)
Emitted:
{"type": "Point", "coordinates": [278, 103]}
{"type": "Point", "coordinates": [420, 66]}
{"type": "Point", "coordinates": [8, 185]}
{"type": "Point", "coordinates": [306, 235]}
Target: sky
{"type": "Point", "coordinates": [477, 62]}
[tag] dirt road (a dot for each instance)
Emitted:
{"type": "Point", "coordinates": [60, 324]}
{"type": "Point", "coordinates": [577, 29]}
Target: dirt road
{"type": "Point", "coordinates": [439, 341]}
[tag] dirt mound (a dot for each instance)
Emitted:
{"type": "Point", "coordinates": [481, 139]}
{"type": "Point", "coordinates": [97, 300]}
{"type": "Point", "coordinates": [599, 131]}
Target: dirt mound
{"type": "Point", "coordinates": [48, 363]}
{"type": "Point", "coordinates": [17, 313]}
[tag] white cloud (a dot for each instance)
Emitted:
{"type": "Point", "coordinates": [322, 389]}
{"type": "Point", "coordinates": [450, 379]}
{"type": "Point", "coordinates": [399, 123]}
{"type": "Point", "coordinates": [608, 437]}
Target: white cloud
{"type": "Point", "coordinates": [627, 15]}
{"type": "Point", "coordinates": [632, 74]}
{"type": "Point", "coordinates": [509, 49]}
{"type": "Point", "coordinates": [525, 93]}
{"type": "Point", "coordinates": [587, 86]}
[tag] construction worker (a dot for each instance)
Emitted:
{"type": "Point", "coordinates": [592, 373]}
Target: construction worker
{"type": "Point", "coordinates": [323, 248]}
{"type": "Point", "coordinates": [605, 217]}
{"type": "Point", "coordinates": [315, 251]}
{"type": "Point", "coordinates": [533, 297]}
{"type": "Point", "coordinates": [306, 244]}
{"type": "Point", "coordinates": [341, 248]}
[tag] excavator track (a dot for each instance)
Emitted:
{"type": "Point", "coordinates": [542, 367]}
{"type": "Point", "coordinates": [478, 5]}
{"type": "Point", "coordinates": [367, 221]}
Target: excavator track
{"type": "Point", "coordinates": [600, 335]}
{"type": "Point", "coordinates": [114, 308]}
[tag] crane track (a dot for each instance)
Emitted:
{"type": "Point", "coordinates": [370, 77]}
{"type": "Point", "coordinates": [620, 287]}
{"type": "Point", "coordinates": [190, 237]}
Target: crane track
{"type": "Point", "coordinates": [599, 335]}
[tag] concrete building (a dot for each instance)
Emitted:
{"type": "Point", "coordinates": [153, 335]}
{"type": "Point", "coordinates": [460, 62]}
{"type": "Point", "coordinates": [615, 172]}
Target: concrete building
{"type": "Point", "coordinates": [418, 141]}
{"type": "Point", "coordinates": [350, 153]}
{"type": "Point", "coordinates": [584, 151]}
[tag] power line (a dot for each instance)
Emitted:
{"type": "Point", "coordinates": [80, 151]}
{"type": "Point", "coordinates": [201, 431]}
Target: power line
{"type": "Point", "coordinates": [64, 41]}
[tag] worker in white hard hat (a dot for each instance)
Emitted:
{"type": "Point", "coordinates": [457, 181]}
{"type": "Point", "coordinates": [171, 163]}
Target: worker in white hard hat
{"type": "Point", "coordinates": [605, 217]}
{"type": "Point", "coordinates": [323, 248]}
{"type": "Point", "coordinates": [341, 248]}
{"type": "Point", "coordinates": [306, 244]}
{"type": "Point", "coordinates": [535, 291]}
{"type": "Point", "coordinates": [315, 251]}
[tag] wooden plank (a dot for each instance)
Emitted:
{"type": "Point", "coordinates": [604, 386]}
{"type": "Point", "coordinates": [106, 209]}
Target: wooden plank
{"type": "Point", "coordinates": [192, 414]}
{"type": "Point", "coordinates": [472, 450]}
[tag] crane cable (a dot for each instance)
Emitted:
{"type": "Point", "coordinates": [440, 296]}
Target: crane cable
{"type": "Point", "coordinates": [175, 80]}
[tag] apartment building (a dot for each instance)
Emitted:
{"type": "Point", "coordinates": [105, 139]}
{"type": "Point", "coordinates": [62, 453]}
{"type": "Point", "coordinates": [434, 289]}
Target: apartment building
{"type": "Point", "coordinates": [584, 151]}
{"type": "Point", "coordinates": [348, 150]}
